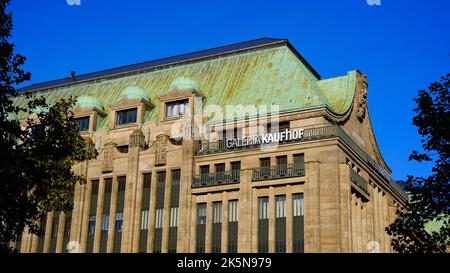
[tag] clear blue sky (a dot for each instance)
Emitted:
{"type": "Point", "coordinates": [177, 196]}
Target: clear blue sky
{"type": "Point", "coordinates": [402, 45]}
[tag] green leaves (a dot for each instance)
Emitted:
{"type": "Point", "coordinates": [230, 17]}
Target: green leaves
{"type": "Point", "coordinates": [429, 200]}
{"type": "Point", "coordinates": [36, 156]}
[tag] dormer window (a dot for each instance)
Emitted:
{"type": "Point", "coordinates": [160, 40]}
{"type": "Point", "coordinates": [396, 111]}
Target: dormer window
{"type": "Point", "coordinates": [88, 113]}
{"type": "Point", "coordinates": [129, 109]}
{"type": "Point", "coordinates": [176, 108]}
{"type": "Point", "coordinates": [128, 116]}
{"type": "Point", "coordinates": [83, 123]}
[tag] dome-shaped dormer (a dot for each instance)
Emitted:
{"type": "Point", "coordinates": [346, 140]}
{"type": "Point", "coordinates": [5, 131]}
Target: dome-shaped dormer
{"type": "Point", "coordinates": [184, 83]}
{"type": "Point", "coordinates": [85, 102]}
{"type": "Point", "coordinates": [134, 93]}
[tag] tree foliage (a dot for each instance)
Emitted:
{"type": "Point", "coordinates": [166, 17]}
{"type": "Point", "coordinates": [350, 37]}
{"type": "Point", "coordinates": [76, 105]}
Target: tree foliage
{"type": "Point", "coordinates": [429, 196]}
{"type": "Point", "coordinates": [36, 154]}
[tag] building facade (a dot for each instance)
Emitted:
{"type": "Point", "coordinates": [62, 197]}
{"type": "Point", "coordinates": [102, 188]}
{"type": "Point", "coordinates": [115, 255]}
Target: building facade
{"type": "Point", "coordinates": [240, 148]}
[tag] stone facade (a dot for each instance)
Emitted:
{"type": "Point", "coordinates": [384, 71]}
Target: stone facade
{"type": "Point", "coordinates": [347, 196]}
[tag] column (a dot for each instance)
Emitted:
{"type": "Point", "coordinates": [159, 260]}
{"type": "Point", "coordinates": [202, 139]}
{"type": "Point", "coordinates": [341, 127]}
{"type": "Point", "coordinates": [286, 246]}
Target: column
{"type": "Point", "coordinates": [60, 238]}
{"type": "Point", "coordinates": [345, 208]}
{"type": "Point", "coordinates": [359, 223]}
{"type": "Point", "coordinates": [376, 215]}
{"type": "Point", "coordinates": [271, 220]}
{"type": "Point", "coordinates": [25, 246]}
{"type": "Point", "coordinates": [166, 212]}
{"type": "Point", "coordinates": [137, 214]}
{"type": "Point", "coordinates": [254, 222]}
{"type": "Point", "coordinates": [193, 226]}
{"type": "Point", "coordinates": [386, 223]}
{"type": "Point", "coordinates": [112, 216]}
{"type": "Point", "coordinates": [77, 213]}
{"type": "Point", "coordinates": [151, 213]}
{"type": "Point", "coordinates": [245, 215]}
{"type": "Point", "coordinates": [289, 217]}
{"type": "Point", "coordinates": [85, 216]}
{"type": "Point", "coordinates": [353, 219]}
{"type": "Point", "coordinates": [224, 237]}
{"type": "Point", "coordinates": [135, 142]}
{"type": "Point", "coordinates": [312, 207]}
{"type": "Point", "coordinates": [99, 215]}
{"type": "Point", "coordinates": [34, 243]}
{"type": "Point", "coordinates": [381, 221]}
{"type": "Point", "coordinates": [209, 221]}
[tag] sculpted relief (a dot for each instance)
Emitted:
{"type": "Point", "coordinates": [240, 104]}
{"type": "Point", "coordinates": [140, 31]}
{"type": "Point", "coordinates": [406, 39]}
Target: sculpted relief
{"type": "Point", "coordinates": [161, 150]}
{"type": "Point", "coordinates": [361, 102]}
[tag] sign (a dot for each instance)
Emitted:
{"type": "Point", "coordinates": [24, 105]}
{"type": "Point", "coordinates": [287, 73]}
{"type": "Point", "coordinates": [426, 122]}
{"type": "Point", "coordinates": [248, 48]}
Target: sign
{"type": "Point", "coordinates": [286, 135]}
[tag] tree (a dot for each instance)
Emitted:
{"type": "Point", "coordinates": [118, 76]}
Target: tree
{"type": "Point", "coordinates": [37, 154]}
{"type": "Point", "coordinates": [429, 196]}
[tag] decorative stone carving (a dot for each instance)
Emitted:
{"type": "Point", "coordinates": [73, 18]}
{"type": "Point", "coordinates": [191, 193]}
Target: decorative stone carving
{"type": "Point", "coordinates": [108, 157]}
{"type": "Point", "coordinates": [362, 99]}
{"type": "Point", "coordinates": [161, 150]}
{"type": "Point", "coordinates": [137, 138]}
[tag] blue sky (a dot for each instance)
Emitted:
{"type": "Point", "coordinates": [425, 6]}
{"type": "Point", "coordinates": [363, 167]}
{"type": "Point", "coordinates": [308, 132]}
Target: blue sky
{"type": "Point", "coordinates": [401, 45]}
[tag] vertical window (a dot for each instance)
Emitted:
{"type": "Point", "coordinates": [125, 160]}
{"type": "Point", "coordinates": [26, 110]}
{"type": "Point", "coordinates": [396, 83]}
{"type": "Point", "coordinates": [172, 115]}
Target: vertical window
{"type": "Point", "coordinates": [265, 166]}
{"type": "Point", "coordinates": [105, 222]}
{"type": "Point", "coordinates": [147, 179]}
{"type": "Point", "coordinates": [299, 164]}
{"type": "Point", "coordinates": [204, 174]}
{"type": "Point", "coordinates": [263, 224]}
{"type": "Point", "coordinates": [204, 169]}
{"type": "Point", "coordinates": [220, 168]}
{"type": "Point", "coordinates": [220, 172]}
{"type": "Point", "coordinates": [232, 226]}
{"type": "Point", "coordinates": [236, 166]}
{"type": "Point", "coordinates": [159, 218]}
{"type": "Point", "coordinates": [233, 211]}
{"type": "Point", "coordinates": [236, 170]}
{"type": "Point", "coordinates": [83, 123]}
{"type": "Point", "coordinates": [118, 224]}
{"type": "Point", "coordinates": [126, 116]}
{"type": "Point", "coordinates": [174, 217]}
{"type": "Point", "coordinates": [217, 212]}
{"type": "Point", "coordinates": [217, 227]}
{"type": "Point", "coordinates": [263, 208]}
{"type": "Point", "coordinates": [297, 203]}
{"type": "Point", "coordinates": [297, 223]}
{"type": "Point", "coordinates": [119, 221]}
{"type": "Point", "coordinates": [282, 165]}
{"type": "Point", "coordinates": [160, 192]}
{"type": "Point", "coordinates": [92, 215]}
{"type": "Point", "coordinates": [91, 225]}
{"type": "Point", "coordinates": [280, 224]}
{"type": "Point", "coordinates": [144, 220]}
{"type": "Point", "coordinates": [176, 108]}
{"type": "Point", "coordinates": [201, 227]}
{"type": "Point", "coordinates": [280, 211]}
{"type": "Point", "coordinates": [282, 160]}
{"type": "Point", "coordinates": [173, 221]}
{"type": "Point", "coordinates": [201, 214]}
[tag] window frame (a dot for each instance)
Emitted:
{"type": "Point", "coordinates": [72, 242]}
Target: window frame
{"type": "Point", "coordinates": [127, 122]}
{"type": "Point", "coordinates": [175, 108]}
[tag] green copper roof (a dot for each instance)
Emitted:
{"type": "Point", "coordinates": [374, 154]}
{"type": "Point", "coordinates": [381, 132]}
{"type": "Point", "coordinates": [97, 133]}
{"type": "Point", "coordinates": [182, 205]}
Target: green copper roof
{"type": "Point", "coordinates": [273, 75]}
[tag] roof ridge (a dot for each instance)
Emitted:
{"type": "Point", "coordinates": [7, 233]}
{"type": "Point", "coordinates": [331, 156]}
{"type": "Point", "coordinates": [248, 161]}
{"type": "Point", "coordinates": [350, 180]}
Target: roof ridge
{"type": "Point", "coordinates": [184, 57]}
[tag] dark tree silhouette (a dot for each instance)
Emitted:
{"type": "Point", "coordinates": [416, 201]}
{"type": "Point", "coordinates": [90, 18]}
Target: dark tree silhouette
{"type": "Point", "coordinates": [429, 196]}
{"type": "Point", "coordinates": [36, 154]}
